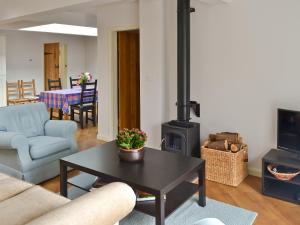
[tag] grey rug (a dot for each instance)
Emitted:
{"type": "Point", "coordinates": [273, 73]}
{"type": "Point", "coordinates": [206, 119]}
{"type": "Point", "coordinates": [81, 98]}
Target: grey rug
{"type": "Point", "coordinates": [189, 213]}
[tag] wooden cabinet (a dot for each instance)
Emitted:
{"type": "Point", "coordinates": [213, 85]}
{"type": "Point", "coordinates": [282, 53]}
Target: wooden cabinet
{"type": "Point", "coordinates": [271, 186]}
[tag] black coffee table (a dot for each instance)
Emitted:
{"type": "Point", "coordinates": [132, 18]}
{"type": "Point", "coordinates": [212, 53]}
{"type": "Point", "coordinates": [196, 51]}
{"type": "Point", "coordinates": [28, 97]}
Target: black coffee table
{"type": "Point", "coordinates": [162, 174]}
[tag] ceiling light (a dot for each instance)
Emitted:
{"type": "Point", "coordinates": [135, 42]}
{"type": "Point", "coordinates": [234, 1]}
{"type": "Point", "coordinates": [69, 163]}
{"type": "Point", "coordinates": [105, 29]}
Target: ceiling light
{"type": "Point", "coordinates": [64, 29]}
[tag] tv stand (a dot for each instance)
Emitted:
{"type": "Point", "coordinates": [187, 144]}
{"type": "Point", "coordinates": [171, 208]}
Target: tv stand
{"type": "Point", "coordinates": [271, 186]}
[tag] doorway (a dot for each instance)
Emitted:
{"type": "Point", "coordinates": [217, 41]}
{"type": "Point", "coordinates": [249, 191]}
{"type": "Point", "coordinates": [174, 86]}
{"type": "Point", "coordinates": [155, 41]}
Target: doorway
{"type": "Point", "coordinates": [55, 63]}
{"type": "Point", "coordinates": [128, 79]}
{"type": "Point", "coordinates": [51, 62]}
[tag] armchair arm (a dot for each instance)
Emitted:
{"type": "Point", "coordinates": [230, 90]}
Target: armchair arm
{"type": "Point", "coordinates": [64, 129]}
{"type": "Point", "coordinates": [60, 128]}
{"type": "Point", "coordinates": [19, 143]}
{"type": "Point", "coordinates": [105, 206]}
{"type": "Point", "coordinates": [12, 140]}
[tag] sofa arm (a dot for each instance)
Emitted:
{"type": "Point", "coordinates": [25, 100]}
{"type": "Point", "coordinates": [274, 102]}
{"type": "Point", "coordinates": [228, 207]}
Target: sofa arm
{"type": "Point", "coordinates": [105, 206]}
{"type": "Point", "coordinates": [60, 128]}
{"type": "Point", "coordinates": [12, 140]}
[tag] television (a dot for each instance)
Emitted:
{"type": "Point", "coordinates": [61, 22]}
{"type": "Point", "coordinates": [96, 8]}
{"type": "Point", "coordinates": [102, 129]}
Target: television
{"type": "Point", "coordinates": [288, 130]}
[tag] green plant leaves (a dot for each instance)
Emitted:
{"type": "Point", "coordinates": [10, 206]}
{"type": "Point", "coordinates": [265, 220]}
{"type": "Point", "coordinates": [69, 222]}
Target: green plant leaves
{"type": "Point", "coordinates": [131, 139]}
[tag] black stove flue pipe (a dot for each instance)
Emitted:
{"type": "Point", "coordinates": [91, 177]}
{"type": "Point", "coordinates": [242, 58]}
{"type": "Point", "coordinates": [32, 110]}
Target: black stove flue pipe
{"type": "Point", "coordinates": [183, 60]}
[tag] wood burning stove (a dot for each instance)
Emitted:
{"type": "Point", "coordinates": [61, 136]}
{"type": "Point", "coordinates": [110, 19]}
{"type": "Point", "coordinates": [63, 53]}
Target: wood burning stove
{"type": "Point", "coordinates": [181, 139]}
{"type": "Point", "coordinates": [181, 135]}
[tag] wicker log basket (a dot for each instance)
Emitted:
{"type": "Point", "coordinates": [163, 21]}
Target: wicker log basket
{"type": "Point", "coordinates": [225, 166]}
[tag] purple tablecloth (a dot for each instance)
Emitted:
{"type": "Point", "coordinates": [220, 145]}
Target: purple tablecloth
{"type": "Point", "coordinates": [61, 99]}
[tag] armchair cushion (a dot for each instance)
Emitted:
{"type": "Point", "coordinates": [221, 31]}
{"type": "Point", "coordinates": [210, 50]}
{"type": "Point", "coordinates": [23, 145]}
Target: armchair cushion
{"type": "Point", "coordinates": [43, 146]}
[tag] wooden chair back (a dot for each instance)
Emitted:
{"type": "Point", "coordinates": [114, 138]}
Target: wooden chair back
{"type": "Point", "coordinates": [28, 89]}
{"type": "Point", "coordinates": [74, 82]}
{"type": "Point", "coordinates": [88, 93]}
{"type": "Point", "coordinates": [54, 84]}
{"type": "Point", "coordinates": [13, 92]}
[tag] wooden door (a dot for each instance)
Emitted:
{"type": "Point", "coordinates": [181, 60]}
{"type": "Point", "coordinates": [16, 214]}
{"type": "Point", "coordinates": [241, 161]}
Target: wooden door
{"type": "Point", "coordinates": [51, 62]}
{"type": "Point", "coordinates": [128, 79]}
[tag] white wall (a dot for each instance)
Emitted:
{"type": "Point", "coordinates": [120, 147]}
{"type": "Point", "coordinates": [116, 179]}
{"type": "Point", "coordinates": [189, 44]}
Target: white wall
{"type": "Point", "coordinates": [25, 54]}
{"type": "Point", "coordinates": [152, 68]}
{"type": "Point", "coordinates": [245, 64]}
{"type": "Point", "coordinates": [91, 56]}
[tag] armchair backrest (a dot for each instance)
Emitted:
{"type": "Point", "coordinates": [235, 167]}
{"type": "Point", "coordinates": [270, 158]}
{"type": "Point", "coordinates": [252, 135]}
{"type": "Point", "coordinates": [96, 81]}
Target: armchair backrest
{"type": "Point", "coordinates": [27, 119]}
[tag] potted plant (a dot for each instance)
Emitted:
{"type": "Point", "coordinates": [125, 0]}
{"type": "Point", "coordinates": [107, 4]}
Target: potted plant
{"type": "Point", "coordinates": [84, 78]}
{"type": "Point", "coordinates": [131, 143]}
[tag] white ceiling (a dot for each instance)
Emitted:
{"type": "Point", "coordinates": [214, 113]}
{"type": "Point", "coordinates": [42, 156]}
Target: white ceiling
{"type": "Point", "coordinates": [83, 14]}
{"type": "Point", "coordinates": [72, 12]}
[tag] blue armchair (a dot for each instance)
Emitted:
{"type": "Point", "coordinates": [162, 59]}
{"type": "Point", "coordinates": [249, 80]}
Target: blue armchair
{"type": "Point", "coordinates": [31, 144]}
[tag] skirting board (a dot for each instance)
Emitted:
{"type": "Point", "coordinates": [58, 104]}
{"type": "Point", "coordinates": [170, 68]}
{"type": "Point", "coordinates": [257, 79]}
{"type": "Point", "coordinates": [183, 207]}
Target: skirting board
{"type": "Point", "coordinates": [254, 172]}
{"type": "Point", "coordinates": [103, 138]}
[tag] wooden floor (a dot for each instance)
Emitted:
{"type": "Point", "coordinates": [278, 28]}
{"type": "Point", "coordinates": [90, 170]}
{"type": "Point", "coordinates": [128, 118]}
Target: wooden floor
{"type": "Point", "coordinates": [247, 195]}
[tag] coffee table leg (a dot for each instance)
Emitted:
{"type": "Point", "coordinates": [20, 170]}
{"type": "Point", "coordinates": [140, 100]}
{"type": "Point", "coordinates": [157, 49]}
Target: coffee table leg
{"type": "Point", "coordinates": [160, 209]}
{"type": "Point", "coordinates": [202, 189]}
{"type": "Point", "coordinates": [63, 180]}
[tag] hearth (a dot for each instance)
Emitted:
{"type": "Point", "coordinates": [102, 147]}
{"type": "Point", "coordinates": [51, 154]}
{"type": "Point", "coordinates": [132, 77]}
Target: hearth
{"type": "Point", "coordinates": [181, 135]}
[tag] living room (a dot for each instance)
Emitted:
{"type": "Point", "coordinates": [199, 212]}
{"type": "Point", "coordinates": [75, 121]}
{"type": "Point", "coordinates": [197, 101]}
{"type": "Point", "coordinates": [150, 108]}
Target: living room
{"type": "Point", "coordinates": [243, 68]}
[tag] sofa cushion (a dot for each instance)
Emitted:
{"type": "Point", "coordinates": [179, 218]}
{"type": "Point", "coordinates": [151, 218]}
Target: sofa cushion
{"type": "Point", "coordinates": [43, 146]}
{"type": "Point", "coordinates": [29, 205]}
{"type": "Point", "coordinates": [27, 119]}
{"type": "Point", "coordinates": [10, 187]}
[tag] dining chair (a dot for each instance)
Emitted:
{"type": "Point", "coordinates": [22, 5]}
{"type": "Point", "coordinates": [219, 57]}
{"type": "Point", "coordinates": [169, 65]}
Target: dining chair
{"type": "Point", "coordinates": [74, 82]}
{"type": "Point", "coordinates": [13, 93]}
{"type": "Point", "coordinates": [87, 103]}
{"type": "Point", "coordinates": [28, 91]}
{"type": "Point", "coordinates": [52, 86]}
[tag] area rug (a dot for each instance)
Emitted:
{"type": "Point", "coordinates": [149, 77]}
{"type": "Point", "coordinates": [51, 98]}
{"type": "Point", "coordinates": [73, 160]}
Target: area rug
{"type": "Point", "coordinates": [190, 212]}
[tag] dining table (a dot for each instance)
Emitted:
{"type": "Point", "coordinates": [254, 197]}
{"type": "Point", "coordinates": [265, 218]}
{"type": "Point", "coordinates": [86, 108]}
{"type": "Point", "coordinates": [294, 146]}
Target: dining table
{"type": "Point", "coordinates": [61, 99]}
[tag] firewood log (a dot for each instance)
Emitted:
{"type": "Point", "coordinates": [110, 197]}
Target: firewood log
{"type": "Point", "coordinates": [236, 147]}
{"type": "Point", "coordinates": [240, 140]}
{"type": "Point", "coordinates": [212, 137]}
{"type": "Point", "coordinates": [232, 138]}
{"type": "Point", "coordinates": [205, 143]}
{"type": "Point", "coordinates": [218, 145]}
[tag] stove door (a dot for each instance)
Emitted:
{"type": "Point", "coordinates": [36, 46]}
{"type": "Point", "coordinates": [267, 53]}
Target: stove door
{"type": "Point", "coordinates": [174, 142]}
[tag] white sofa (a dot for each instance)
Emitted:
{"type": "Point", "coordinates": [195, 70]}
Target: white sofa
{"type": "Point", "coordinates": [24, 203]}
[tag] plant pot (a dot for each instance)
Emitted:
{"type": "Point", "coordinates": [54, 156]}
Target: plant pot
{"type": "Point", "coordinates": [131, 155]}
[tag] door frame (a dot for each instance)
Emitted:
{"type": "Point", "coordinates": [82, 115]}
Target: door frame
{"type": "Point", "coordinates": [3, 72]}
{"type": "Point", "coordinates": [113, 65]}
